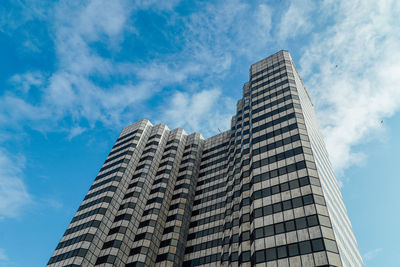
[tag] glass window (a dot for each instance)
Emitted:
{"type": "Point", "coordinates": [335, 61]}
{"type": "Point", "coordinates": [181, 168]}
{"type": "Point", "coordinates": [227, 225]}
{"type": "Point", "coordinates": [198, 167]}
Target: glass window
{"type": "Point", "coordinates": [300, 165]}
{"type": "Point", "coordinates": [308, 200]}
{"type": "Point", "coordinates": [266, 192]}
{"type": "Point", "coordinates": [170, 257]}
{"type": "Point", "coordinates": [257, 179]}
{"type": "Point", "coordinates": [258, 233]}
{"type": "Point", "coordinates": [295, 138]}
{"type": "Point", "coordinates": [226, 240]}
{"type": "Point", "coordinates": [245, 256]}
{"type": "Point", "coordinates": [294, 184]}
{"type": "Point", "coordinates": [271, 146]}
{"type": "Point", "coordinates": [304, 181]}
{"type": "Point", "coordinates": [275, 189]}
{"type": "Point", "coordinates": [202, 260]}
{"type": "Point", "coordinates": [312, 220]}
{"type": "Point", "coordinates": [280, 156]}
{"type": "Point", "coordinates": [265, 176]}
{"type": "Point", "coordinates": [260, 256]}
{"type": "Point", "coordinates": [290, 226]}
{"type": "Point", "coordinates": [284, 187]}
{"type": "Point", "coordinates": [317, 245]}
{"type": "Point", "coordinates": [297, 202]}
{"type": "Point", "coordinates": [245, 217]}
{"type": "Point", "coordinates": [257, 194]}
{"type": "Point", "coordinates": [301, 223]}
{"type": "Point", "coordinates": [287, 205]}
{"type": "Point", "coordinates": [291, 168]}
{"type": "Point", "coordinates": [279, 228]}
{"type": "Point", "coordinates": [305, 247]}
{"type": "Point", "coordinates": [270, 254]}
{"type": "Point", "coordinates": [289, 153]}
{"type": "Point", "coordinates": [282, 253]}
{"type": "Point", "coordinates": [267, 210]}
{"type": "Point", "coordinates": [286, 141]}
{"type": "Point", "coordinates": [234, 256]}
{"type": "Point", "coordinates": [283, 171]}
{"type": "Point", "coordinates": [246, 201]}
{"type": "Point", "coordinates": [264, 162]}
{"type": "Point", "coordinates": [277, 207]}
{"type": "Point", "coordinates": [245, 236]}
{"type": "Point", "coordinates": [235, 238]}
{"type": "Point", "coordinates": [269, 230]}
{"type": "Point", "coordinates": [258, 213]}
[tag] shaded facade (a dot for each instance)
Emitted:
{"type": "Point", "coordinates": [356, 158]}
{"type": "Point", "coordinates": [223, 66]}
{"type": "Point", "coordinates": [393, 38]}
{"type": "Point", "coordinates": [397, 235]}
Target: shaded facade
{"type": "Point", "coordinates": [262, 192]}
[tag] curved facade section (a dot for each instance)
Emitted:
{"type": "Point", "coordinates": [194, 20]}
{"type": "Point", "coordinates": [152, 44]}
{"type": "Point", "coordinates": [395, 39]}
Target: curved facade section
{"type": "Point", "coordinates": [261, 193]}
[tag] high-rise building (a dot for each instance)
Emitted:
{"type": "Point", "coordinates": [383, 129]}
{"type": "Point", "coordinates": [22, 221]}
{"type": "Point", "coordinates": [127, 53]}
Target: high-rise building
{"type": "Point", "coordinates": [262, 192]}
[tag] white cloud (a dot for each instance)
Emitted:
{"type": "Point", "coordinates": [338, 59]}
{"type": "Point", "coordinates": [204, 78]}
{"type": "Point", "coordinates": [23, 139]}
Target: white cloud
{"type": "Point", "coordinates": [75, 89]}
{"type": "Point", "coordinates": [75, 132]}
{"type": "Point", "coordinates": [156, 5]}
{"type": "Point", "coordinates": [221, 31]}
{"type": "Point", "coordinates": [205, 111]}
{"type": "Point", "coordinates": [352, 69]}
{"type": "Point", "coordinates": [3, 255]}
{"type": "Point", "coordinates": [361, 37]}
{"type": "Point", "coordinates": [70, 90]}
{"type": "Point", "coordinates": [13, 110]}
{"type": "Point", "coordinates": [102, 17]}
{"type": "Point", "coordinates": [370, 255]}
{"type": "Point", "coordinates": [27, 80]}
{"type": "Point", "coordinates": [263, 22]}
{"type": "Point", "coordinates": [210, 38]}
{"type": "Point", "coordinates": [52, 203]}
{"type": "Point", "coordinates": [215, 38]}
{"type": "Point", "coordinates": [13, 193]}
{"type": "Point", "coordinates": [296, 20]}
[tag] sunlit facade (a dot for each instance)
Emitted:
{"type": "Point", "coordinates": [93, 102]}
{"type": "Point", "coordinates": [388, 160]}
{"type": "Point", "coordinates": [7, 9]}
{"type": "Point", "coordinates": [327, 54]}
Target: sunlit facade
{"type": "Point", "coordinates": [261, 192]}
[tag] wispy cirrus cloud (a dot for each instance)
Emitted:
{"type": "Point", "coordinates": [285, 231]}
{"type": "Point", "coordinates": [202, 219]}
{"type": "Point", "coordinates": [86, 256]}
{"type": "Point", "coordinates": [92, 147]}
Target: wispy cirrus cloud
{"type": "Point", "coordinates": [195, 111]}
{"type": "Point", "coordinates": [14, 196]}
{"type": "Point", "coordinates": [85, 87]}
{"type": "Point", "coordinates": [372, 254]}
{"type": "Point", "coordinates": [26, 81]}
{"type": "Point", "coordinates": [88, 86]}
{"type": "Point", "coordinates": [3, 255]}
{"type": "Point", "coordinates": [219, 33]}
{"type": "Point", "coordinates": [351, 69]}
{"type": "Point", "coordinates": [91, 83]}
{"type": "Point", "coordinates": [216, 38]}
{"type": "Point", "coordinates": [297, 20]}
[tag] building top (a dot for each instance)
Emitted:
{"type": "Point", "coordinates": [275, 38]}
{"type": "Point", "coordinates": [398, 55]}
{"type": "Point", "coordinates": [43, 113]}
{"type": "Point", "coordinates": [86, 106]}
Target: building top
{"type": "Point", "coordinates": [269, 61]}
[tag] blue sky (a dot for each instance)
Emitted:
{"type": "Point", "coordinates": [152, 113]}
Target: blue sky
{"type": "Point", "coordinates": [74, 73]}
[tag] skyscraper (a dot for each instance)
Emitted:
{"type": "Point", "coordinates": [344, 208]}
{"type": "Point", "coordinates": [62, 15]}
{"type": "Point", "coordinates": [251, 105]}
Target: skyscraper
{"type": "Point", "coordinates": [262, 192]}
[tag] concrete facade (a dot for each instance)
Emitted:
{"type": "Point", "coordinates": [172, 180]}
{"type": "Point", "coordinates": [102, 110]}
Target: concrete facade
{"type": "Point", "coordinates": [262, 193]}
